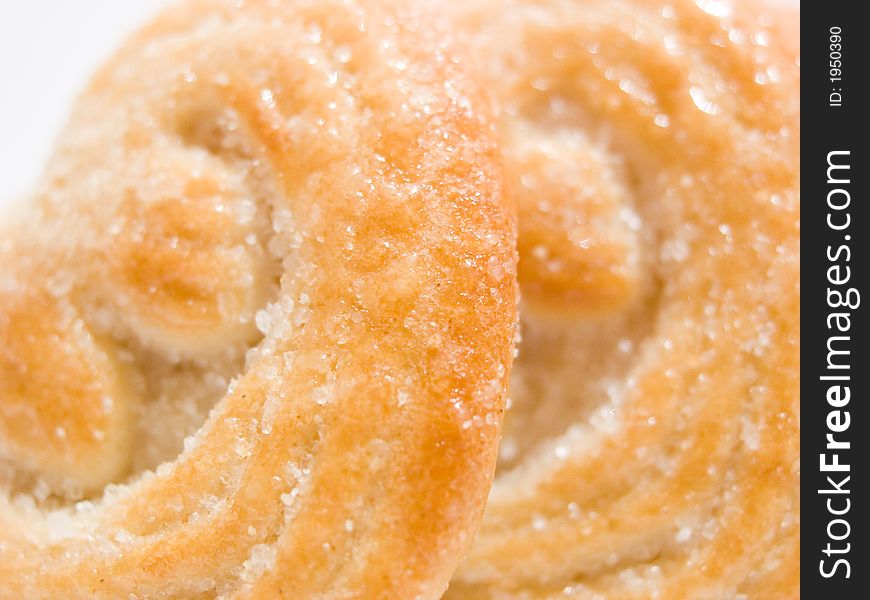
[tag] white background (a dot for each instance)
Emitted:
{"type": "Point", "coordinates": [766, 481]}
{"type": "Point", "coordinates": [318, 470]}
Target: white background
{"type": "Point", "coordinates": [48, 49]}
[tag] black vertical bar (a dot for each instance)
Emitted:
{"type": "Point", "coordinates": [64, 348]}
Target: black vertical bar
{"type": "Point", "coordinates": [834, 261]}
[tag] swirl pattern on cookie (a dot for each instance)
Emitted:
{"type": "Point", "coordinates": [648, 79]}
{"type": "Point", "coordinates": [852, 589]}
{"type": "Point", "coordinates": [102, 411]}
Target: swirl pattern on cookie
{"type": "Point", "coordinates": [652, 449]}
{"type": "Point", "coordinates": [284, 220]}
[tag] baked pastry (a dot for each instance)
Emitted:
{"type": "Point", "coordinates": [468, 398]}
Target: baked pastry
{"type": "Point", "coordinates": [290, 215]}
{"type": "Point", "coordinates": [653, 444]}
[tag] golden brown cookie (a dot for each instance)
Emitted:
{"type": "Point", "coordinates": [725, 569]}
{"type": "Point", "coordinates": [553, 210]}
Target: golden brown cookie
{"type": "Point", "coordinates": [652, 448]}
{"type": "Point", "coordinates": [285, 220]}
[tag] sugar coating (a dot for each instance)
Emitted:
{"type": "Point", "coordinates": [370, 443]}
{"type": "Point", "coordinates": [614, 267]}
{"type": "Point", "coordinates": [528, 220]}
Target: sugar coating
{"type": "Point", "coordinates": [651, 448]}
{"type": "Point", "coordinates": [266, 280]}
